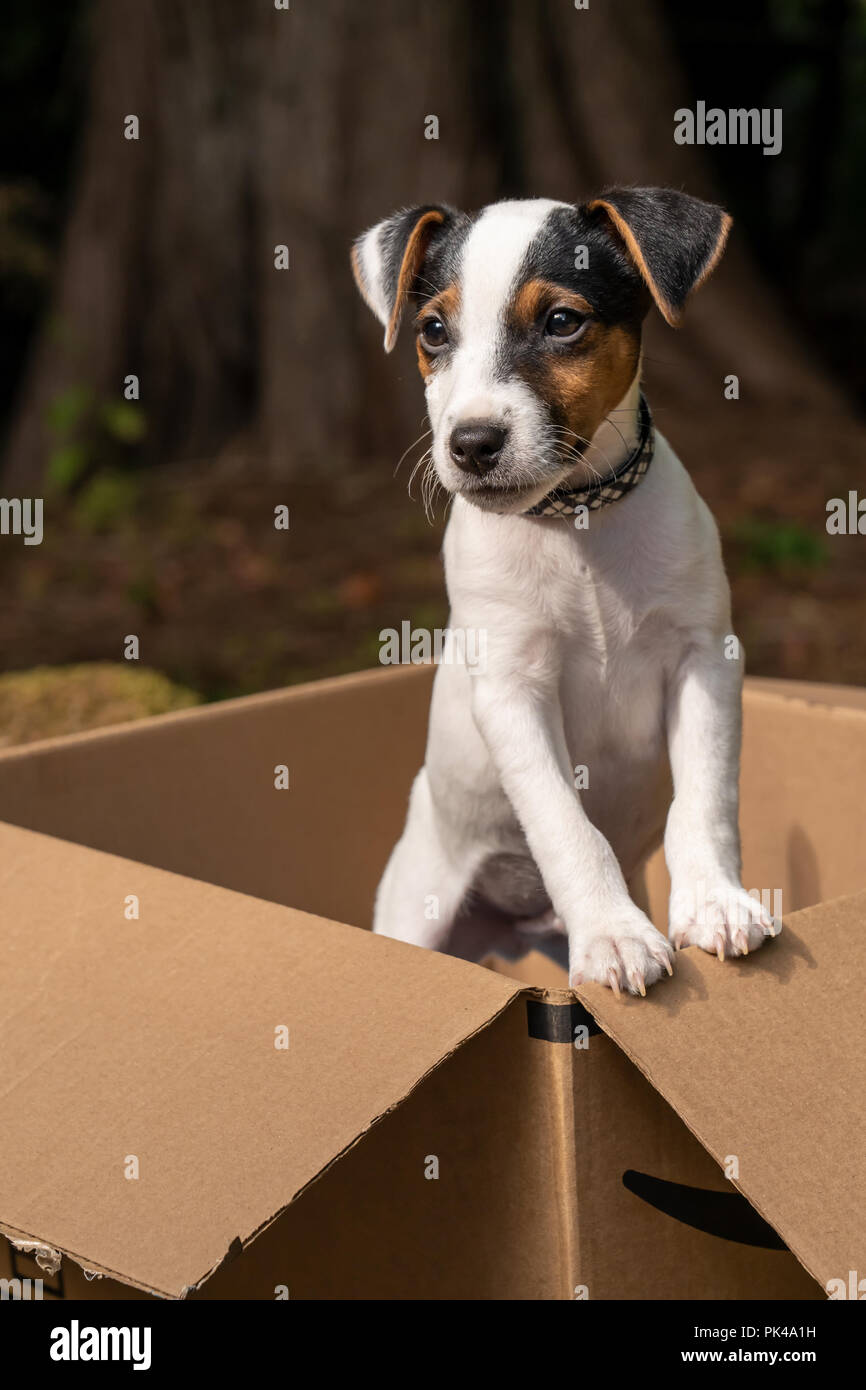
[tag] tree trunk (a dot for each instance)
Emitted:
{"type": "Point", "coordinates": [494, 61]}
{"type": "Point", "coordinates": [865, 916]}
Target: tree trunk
{"type": "Point", "coordinates": [83, 340]}
{"type": "Point", "coordinates": [302, 127]}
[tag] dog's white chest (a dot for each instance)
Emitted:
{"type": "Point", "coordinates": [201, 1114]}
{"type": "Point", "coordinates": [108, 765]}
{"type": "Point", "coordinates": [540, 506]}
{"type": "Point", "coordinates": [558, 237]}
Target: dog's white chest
{"type": "Point", "coordinates": [592, 608]}
{"type": "Point", "coordinates": [612, 650]}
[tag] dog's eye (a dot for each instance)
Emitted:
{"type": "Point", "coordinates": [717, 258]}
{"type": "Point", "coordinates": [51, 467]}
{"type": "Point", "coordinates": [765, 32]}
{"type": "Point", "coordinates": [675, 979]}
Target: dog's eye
{"type": "Point", "coordinates": [433, 333]}
{"type": "Point", "coordinates": [564, 323]}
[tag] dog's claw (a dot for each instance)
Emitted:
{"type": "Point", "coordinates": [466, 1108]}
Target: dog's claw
{"type": "Point", "coordinates": [668, 967]}
{"type": "Point", "coordinates": [613, 980]}
{"type": "Point", "coordinates": [641, 984]}
{"type": "Point", "coordinates": [719, 943]}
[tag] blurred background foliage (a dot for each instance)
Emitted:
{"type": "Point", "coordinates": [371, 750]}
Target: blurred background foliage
{"type": "Point", "coordinates": [156, 257]}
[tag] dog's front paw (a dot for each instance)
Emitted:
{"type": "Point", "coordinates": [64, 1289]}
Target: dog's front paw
{"type": "Point", "coordinates": [627, 954]}
{"type": "Point", "coordinates": [720, 917]}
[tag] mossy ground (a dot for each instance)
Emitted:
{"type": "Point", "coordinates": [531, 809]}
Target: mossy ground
{"type": "Point", "coordinates": [53, 700]}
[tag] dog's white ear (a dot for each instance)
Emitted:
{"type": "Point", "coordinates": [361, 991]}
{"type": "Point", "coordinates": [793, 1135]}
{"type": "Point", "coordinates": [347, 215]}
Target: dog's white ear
{"type": "Point", "coordinates": [388, 259]}
{"type": "Point", "coordinates": [675, 241]}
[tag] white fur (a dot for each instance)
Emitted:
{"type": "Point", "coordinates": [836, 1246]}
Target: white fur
{"type": "Point", "coordinates": [606, 648]}
{"type": "Point", "coordinates": [370, 283]}
{"type": "Point", "coordinates": [467, 388]}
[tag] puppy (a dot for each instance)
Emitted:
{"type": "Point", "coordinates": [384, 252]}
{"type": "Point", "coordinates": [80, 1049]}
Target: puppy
{"type": "Point", "coordinates": [606, 712]}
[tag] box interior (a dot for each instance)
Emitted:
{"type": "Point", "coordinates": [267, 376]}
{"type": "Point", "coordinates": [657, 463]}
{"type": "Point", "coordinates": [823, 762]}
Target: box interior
{"type": "Point", "coordinates": [147, 1021]}
{"type": "Point", "coordinates": [194, 793]}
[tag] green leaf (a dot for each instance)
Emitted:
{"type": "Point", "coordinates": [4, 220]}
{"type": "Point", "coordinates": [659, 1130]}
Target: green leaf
{"type": "Point", "coordinates": [124, 421]}
{"type": "Point", "coordinates": [107, 499]}
{"type": "Point", "coordinates": [66, 411]}
{"type": "Point", "coordinates": [67, 464]}
{"type": "Point", "coordinates": [779, 545]}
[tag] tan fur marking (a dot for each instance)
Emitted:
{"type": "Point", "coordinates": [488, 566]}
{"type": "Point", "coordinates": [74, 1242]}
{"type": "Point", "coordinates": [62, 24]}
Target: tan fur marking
{"type": "Point", "coordinates": [425, 363]}
{"type": "Point", "coordinates": [359, 277]}
{"type": "Point", "coordinates": [537, 295]}
{"type": "Point", "coordinates": [446, 306]}
{"type": "Point", "coordinates": [583, 389]}
{"type": "Point", "coordinates": [580, 387]}
{"type": "Point", "coordinates": [727, 224]}
{"type": "Point", "coordinates": [666, 309]}
{"type": "Point", "coordinates": [413, 256]}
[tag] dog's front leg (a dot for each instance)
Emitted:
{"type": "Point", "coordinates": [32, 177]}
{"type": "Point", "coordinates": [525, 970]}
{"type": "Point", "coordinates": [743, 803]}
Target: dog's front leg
{"type": "Point", "coordinates": [709, 906]}
{"type": "Point", "coordinates": [609, 938]}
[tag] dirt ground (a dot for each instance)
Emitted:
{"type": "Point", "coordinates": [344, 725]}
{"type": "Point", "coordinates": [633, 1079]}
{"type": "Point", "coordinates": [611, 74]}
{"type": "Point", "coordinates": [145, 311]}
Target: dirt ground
{"type": "Point", "coordinates": [189, 560]}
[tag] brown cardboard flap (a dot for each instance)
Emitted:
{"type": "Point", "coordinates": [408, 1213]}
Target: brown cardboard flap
{"type": "Point", "coordinates": [763, 1059]}
{"type": "Point", "coordinates": [810, 692]}
{"type": "Point", "coordinates": [194, 791]}
{"type": "Point", "coordinates": [152, 1041]}
{"type": "Point", "coordinates": [801, 778]}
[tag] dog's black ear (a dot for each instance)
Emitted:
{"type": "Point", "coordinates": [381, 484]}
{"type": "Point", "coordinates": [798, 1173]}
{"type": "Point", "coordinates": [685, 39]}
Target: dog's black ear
{"type": "Point", "coordinates": [388, 259]}
{"type": "Point", "coordinates": [675, 241]}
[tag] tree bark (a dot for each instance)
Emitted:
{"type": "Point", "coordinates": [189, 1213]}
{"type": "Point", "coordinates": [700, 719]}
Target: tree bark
{"type": "Point", "coordinates": [83, 339]}
{"type": "Point", "coordinates": [302, 127]}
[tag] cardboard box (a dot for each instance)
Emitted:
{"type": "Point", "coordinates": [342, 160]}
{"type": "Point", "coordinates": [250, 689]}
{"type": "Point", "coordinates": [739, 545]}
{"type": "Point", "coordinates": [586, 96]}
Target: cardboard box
{"type": "Point", "coordinates": [430, 1130]}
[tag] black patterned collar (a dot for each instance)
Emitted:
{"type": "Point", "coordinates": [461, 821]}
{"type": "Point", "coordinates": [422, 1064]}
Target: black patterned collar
{"type": "Point", "coordinates": [566, 501]}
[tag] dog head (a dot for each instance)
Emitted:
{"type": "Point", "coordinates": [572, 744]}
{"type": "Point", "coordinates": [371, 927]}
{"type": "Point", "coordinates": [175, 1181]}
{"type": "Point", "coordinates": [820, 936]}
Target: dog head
{"type": "Point", "coordinates": [528, 321]}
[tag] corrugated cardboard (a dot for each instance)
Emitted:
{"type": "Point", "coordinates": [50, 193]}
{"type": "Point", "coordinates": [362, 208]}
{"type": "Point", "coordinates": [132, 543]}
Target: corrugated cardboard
{"type": "Point", "coordinates": [154, 1040]}
{"type": "Point", "coordinates": [197, 795]}
{"type": "Point", "coordinates": [425, 1134]}
{"type": "Point", "coordinates": [764, 1063]}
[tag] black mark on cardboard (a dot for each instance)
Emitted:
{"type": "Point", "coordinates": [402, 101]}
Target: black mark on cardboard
{"type": "Point", "coordinates": [724, 1214]}
{"type": "Point", "coordinates": [557, 1022]}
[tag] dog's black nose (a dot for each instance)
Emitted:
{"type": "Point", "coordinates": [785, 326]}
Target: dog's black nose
{"type": "Point", "coordinates": [476, 447]}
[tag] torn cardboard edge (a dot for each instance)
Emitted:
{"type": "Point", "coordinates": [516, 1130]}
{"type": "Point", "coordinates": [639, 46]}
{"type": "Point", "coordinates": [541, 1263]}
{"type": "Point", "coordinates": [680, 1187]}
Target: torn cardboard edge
{"type": "Point", "coordinates": [45, 1256]}
{"type": "Point", "coordinates": [49, 1258]}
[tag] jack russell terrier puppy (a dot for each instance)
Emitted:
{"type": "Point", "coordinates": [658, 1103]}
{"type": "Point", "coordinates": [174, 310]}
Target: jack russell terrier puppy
{"type": "Point", "coordinates": [606, 712]}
